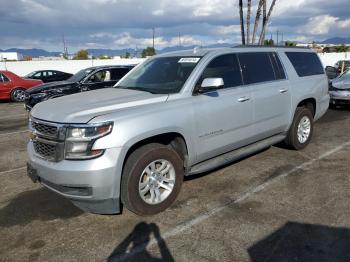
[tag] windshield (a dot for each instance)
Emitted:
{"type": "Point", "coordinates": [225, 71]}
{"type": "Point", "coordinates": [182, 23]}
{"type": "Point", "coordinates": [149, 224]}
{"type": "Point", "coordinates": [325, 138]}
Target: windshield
{"type": "Point", "coordinates": [162, 75]}
{"type": "Point", "coordinates": [80, 75]}
{"type": "Point", "coordinates": [346, 72]}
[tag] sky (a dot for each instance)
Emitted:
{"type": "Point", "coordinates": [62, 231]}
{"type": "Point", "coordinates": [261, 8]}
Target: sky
{"type": "Point", "coordinates": [117, 24]}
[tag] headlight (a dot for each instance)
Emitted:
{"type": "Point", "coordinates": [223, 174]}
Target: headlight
{"type": "Point", "coordinates": [81, 138]}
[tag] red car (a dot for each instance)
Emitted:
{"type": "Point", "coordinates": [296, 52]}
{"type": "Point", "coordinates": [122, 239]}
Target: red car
{"type": "Point", "coordinates": [13, 87]}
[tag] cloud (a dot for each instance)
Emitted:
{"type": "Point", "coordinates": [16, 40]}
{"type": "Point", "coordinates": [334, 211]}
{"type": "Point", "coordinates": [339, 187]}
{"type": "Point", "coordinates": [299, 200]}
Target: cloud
{"type": "Point", "coordinates": [118, 23]}
{"type": "Point", "coordinates": [323, 24]}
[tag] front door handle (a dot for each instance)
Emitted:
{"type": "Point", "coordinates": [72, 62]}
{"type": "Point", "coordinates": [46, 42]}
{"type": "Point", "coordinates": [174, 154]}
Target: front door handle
{"type": "Point", "coordinates": [284, 90]}
{"type": "Point", "coordinates": [243, 99]}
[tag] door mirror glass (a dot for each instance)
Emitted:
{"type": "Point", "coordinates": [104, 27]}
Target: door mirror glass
{"type": "Point", "coordinates": [331, 69]}
{"type": "Point", "coordinates": [211, 84]}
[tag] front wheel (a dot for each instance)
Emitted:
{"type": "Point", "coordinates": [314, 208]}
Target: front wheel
{"type": "Point", "coordinates": [152, 179]}
{"type": "Point", "coordinates": [301, 130]}
{"type": "Point", "coordinates": [18, 95]}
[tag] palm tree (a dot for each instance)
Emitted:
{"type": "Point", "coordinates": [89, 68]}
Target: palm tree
{"type": "Point", "coordinates": [249, 10]}
{"type": "Point", "coordinates": [257, 18]}
{"type": "Point", "coordinates": [266, 19]}
{"type": "Point", "coordinates": [241, 20]}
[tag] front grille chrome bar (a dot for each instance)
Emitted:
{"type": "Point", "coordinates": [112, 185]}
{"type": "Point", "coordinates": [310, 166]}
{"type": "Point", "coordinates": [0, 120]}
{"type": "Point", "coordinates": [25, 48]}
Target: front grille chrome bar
{"type": "Point", "coordinates": [48, 139]}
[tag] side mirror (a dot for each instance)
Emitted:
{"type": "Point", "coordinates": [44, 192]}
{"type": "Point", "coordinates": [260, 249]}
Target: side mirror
{"type": "Point", "coordinates": [331, 69]}
{"type": "Point", "coordinates": [211, 84]}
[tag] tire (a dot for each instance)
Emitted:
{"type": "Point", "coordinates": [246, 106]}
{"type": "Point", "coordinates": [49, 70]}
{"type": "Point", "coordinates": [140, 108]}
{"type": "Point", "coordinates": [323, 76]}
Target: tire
{"type": "Point", "coordinates": [18, 94]}
{"type": "Point", "coordinates": [134, 175]}
{"type": "Point", "coordinates": [293, 140]}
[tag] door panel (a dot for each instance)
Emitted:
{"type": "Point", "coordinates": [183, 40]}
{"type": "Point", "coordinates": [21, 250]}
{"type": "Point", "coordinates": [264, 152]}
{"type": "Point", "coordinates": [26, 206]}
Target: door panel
{"type": "Point", "coordinates": [224, 117]}
{"type": "Point", "coordinates": [264, 73]}
{"type": "Point", "coordinates": [272, 106]}
{"type": "Point", "coordinates": [223, 123]}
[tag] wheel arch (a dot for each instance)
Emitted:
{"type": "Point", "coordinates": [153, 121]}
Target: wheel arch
{"type": "Point", "coordinates": [309, 103]}
{"type": "Point", "coordinates": [173, 139]}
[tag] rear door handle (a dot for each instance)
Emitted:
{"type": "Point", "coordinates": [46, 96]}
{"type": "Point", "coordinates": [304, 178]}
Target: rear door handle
{"type": "Point", "coordinates": [243, 99]}
{"type": "Point", "coordinates": [283, 90]}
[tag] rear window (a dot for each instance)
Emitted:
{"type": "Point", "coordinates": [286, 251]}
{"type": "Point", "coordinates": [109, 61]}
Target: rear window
{"type": "Point", "coordinates": [256, 67]}
{"type": "Point", "coordinates": [305, 64]}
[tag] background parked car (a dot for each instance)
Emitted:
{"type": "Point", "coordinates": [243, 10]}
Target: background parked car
{"type": "Point", "coordinates": [339, 89]}
{"type": "Point", "coordinates": [13, 87]}
{"type": "Point", "coordinates": [87, 79]}
{"type": "Point", "coordinates": [342, 63]}
{"type": "Point", "coordinates": [49, 75]}
{"type": "Point", "coordinates": [332, 72]}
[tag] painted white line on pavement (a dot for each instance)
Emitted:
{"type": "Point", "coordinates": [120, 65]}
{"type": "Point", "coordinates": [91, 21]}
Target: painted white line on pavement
{"type": "Point", "coordinates": [213, 211]}
{"type": "Point", "coordinates": [12, 116]}
{"type": "Point", "coordinates": [13, 133]}
{"type": "Point", "coordinates": [13, 170]}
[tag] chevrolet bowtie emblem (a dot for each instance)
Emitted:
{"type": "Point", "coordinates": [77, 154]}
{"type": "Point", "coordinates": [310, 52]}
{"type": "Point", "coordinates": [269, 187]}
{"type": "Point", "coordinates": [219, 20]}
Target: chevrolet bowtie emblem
{"type": "Point", "coordinates": [32, 135]}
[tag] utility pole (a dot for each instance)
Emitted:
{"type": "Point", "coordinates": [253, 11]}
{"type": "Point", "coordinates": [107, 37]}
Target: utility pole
{"type": "Point", "coordinates": [153, 30]}
{"type": "Point", "coordinates": [65, 49]}
{"type": "Point", "coordinates": [282, 39]}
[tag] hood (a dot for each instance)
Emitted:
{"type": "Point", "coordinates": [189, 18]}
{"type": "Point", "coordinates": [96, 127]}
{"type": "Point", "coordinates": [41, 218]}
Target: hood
{"type": "Point", "coordinates": [49, 86]}
{"type": "Point", "coordinates": [342, 82]}
{"type": "Point", "coordinates": [81, 108]}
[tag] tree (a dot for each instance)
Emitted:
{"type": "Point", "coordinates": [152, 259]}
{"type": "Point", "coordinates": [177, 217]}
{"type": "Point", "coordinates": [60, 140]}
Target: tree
{"type": "Point", "coordinates": [269, 42]}
{"type": "Point", "coordinates": [104, 57]}
{"type": "Point", "coordinates": [257, 18]}
{"type": "Point", "coordinates": [342, 48]}
{"type": "Point", "coordinates": [290, 43]}
{"type": "Point", "coordinates": [127, 55]}
{"type": "Point", "coordinates": [241, 20]}
{"type": "Point", "coordinates": [81, 55]}
{"type": "Point", "coordinates": [262, 7]}
{"type": "Point", "coordinates": [148, 51]}
{"type": "Point", "coordinates": [249, 10]}
{"type": "Point", "coordinates": [266, 19]}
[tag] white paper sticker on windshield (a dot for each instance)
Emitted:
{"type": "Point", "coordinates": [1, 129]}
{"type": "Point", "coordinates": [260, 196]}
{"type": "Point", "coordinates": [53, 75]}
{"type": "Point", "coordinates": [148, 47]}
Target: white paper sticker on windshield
{"type": "Point", "coordinates": [189, 60]}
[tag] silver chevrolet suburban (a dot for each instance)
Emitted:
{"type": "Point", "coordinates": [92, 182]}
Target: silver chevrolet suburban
{"type": "Point", "coordinates": [174, 115]}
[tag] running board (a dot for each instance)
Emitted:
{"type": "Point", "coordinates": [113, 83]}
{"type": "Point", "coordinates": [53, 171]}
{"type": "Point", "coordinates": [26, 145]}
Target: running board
{"type": "Point", "coordinates": [231, 156]}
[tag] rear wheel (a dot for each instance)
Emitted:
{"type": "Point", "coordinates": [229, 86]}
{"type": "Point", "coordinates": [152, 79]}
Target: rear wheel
{"type": "Point", "coordinates": [18, 95]}
{"type": "Point", "coordinates": [301, 130]}
{"type": "Point", "coordinates": [152, 179]}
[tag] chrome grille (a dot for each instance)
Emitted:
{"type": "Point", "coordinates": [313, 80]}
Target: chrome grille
{"type": "Point", "coordinates": [44, 129]}
{"type": "Point", "coordinates": [47, 151]}
{"type": "Point", "coordinates": [48, 139]}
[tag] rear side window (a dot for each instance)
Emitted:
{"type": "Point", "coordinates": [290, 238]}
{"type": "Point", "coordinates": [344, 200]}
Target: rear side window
{"type": "Point", "coordinates": [225, 67]}
{"type": "Point", "coordinates": [256, 67]}
{"type": "Point", "coordinates": [277, 66]}
{"type": "Point", "coordinates": [3, 78]}
{"type": "Point", "coordinates": [305, 64]}
{"type": "Point", "coordinates": [118, 73]}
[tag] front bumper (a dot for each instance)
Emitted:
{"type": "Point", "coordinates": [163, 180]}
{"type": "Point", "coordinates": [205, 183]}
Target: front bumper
{"type": "Point", "coordinates": [340, 97]}
{"type": "Point", "coordinates": [92, 185]}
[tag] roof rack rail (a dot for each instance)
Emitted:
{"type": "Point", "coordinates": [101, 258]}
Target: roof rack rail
{"type": "Point", "coordinates": [266, 46]}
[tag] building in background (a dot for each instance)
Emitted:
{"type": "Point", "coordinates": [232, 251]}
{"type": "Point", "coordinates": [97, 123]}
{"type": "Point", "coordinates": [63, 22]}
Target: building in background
{"type": "Point", "coordinates": [11, 56]}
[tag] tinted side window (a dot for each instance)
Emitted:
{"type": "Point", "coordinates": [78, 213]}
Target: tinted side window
{"type": "Point", "coordinates": [3, 78]}
{"type": "Point", "coordinates": [256, 67]}
{"type": "Point", "coordinates": [305, 64]}
{"type": "Point", "coordinates": [118, 73]}
{"type": "Point", "coordinates": [277, 66]}
{"type": "Point", "coordinates": [225, 67]}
